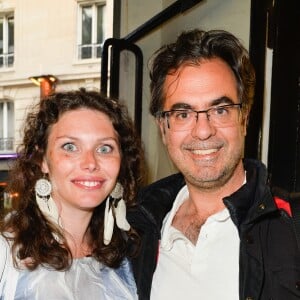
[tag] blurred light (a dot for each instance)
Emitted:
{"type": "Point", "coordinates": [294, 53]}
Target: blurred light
{"type": "Point", "coordinates": [8, 155]}
{"type": "Point", "coordinates": [46, 84]}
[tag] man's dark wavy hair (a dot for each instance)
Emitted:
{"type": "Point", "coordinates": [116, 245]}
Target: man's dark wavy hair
{"type": "Point", "coordinates": [193, 47]}
{"type": "Point", "coordinates": [31, 234]}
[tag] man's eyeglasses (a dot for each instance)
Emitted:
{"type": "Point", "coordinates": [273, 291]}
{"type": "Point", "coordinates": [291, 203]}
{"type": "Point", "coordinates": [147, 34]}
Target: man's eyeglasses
{"type": "Point", "coordinates": [218, 116]}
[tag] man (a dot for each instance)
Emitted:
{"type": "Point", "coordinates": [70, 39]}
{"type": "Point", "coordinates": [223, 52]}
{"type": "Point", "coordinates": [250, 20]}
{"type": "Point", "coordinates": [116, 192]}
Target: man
{"type": "Point", "coordinates": [222, 233]}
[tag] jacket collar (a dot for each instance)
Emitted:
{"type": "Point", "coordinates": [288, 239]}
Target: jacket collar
{"type": "Point", "coordinates": [247, 204]}
{"type": "Point", "coordinates": [154, 202]}
{"type": "Point", "coordinates": [253, 199]}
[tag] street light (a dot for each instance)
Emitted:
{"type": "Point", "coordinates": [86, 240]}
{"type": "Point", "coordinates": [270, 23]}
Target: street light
{"type": "Point", "coordinates": [46, 84]}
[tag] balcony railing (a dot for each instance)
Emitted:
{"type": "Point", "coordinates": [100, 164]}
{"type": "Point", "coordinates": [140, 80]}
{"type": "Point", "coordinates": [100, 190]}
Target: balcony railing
{"type": "Point", "coordinates": [86, 51]}
{"type": "Point", "coordinates": [6, 60]}
{"type": "Point", "coordinates": [6, 144]}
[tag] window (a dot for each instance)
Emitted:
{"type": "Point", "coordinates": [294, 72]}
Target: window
{"type": "Point", "coordinates": [91, 30]}
{"type": "Point", "coordinates": [6, 40]}
{"type": "Point", "coordinates": [6, 126]}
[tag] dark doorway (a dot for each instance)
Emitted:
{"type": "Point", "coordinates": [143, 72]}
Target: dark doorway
{"type": "Point", "coordinates": [275, 24]}
{"type": "Point", "coordinates": [284, 145]}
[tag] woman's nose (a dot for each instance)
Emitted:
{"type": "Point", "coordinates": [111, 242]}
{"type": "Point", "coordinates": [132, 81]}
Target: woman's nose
{"type": "Point", "coordinates": [90, 161]}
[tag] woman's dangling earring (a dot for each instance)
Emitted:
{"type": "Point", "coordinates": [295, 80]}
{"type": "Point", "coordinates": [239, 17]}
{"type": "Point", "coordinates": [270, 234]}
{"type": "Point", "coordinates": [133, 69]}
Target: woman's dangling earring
{"type": "Point", "coordinates": [115, 208]}
{"type": "Point", "coordinates": [43, 188]}
{"type": "Point", "coordinates": [44, 200]}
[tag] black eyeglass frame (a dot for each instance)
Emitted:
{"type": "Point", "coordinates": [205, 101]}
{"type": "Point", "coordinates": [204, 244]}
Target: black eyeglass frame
{"type": "Point", "coordinates": [162, 114]}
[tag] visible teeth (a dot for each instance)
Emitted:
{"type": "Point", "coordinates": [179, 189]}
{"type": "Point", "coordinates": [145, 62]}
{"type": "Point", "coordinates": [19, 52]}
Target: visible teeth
{"type": "Point", "coordinates": [89, 183]}
{"type": "Point", "coordinates": [204, 152]}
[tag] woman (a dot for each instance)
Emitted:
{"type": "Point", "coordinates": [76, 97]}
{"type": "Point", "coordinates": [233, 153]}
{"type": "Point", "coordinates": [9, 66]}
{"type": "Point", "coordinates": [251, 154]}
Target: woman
{"type": "Point", "coordinates": [63, 240]}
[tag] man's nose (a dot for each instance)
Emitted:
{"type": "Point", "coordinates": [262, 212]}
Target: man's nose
{"type": "Point", "coordinates": [202, 128]}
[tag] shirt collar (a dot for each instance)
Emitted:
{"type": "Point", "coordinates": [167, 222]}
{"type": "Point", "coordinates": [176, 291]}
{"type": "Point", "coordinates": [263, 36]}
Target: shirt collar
{"type": "Point", "coordinates": [170, 234]}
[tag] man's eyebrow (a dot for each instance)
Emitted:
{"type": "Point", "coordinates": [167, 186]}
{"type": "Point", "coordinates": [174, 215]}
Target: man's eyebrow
{"type": "Point", "coordinates": [222, 100]}
{"type": "Point", "coordinates": [219, 101]}
{"type": "Point", "coordinates": [180, 105]}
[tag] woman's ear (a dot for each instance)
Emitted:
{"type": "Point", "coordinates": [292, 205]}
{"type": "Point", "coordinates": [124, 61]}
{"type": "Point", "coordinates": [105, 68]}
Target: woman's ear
{"type": "Point", "coordinates": [44, 166]}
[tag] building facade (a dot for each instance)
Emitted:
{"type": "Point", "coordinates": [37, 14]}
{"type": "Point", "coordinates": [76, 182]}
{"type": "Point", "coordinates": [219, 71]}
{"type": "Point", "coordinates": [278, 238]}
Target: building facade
{"type": "Point", "coordinates": [46, 45]}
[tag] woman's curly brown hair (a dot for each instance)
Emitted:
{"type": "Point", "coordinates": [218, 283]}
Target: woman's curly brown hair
{"type": "Point", "coordinates": [30, 232]}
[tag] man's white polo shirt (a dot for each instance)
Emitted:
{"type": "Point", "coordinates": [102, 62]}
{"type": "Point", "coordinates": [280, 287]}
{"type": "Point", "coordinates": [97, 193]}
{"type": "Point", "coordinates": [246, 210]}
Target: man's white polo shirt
{"type": "Point", "coordinates": [208, 270]}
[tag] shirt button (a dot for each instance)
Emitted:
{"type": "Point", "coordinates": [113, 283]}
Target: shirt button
{"type": "Point", "coordinates": [261, 207]}
{"type": "Point", "coordinates": [298, 285]}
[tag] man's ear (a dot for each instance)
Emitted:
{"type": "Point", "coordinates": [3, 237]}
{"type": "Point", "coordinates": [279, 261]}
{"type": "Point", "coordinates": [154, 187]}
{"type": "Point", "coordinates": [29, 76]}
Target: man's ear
{"type": "Point", "coordinates": [245, 123]}
{"type": "Point", "coordinates": [161, 124]}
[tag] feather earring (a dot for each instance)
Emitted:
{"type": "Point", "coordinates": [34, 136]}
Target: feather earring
{"type": "Point", "coordinates": [45, 202]}
{"type": "Point", "coordinates": [115, 207]}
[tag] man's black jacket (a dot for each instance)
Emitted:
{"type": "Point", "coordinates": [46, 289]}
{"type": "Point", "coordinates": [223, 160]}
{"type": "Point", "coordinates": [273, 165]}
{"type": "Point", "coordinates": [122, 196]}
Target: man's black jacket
{"type": "Point", "coordinates": [269, 255]}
